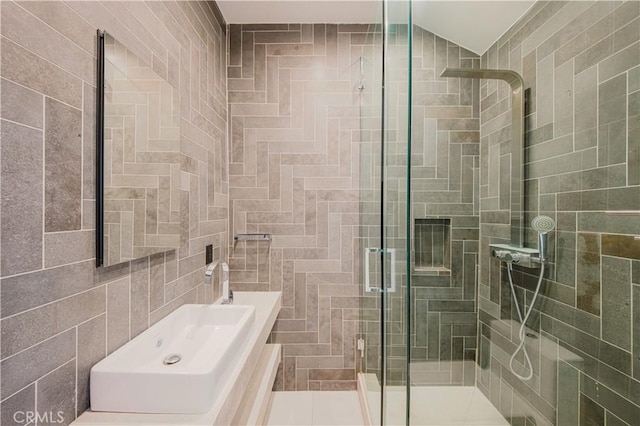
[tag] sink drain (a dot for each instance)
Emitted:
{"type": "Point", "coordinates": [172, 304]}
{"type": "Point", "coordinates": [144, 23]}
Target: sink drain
{"type": "Point", "coordinates": [172, 359]}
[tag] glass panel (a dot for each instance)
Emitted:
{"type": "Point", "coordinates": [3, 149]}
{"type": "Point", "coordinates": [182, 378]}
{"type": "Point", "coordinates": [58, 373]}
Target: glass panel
{"type": "Point", "coordinates": [383, 183]}
{"type": "Point", "coordinates": [581, 183]}
{"type": "Point", "coordinates": [396, 125]}
{"type": "Point", "coordinates": [369, 84]}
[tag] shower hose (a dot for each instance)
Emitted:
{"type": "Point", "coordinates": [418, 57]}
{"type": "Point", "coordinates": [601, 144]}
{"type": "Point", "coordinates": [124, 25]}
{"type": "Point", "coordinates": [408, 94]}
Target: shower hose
{"type": "Point", "coordinates": [522, 334]}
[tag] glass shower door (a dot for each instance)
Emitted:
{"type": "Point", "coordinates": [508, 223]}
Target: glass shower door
{"type": "Point", "coordinates": [395, 223]}
{"type": "Point", "coordinates": [384, 152]}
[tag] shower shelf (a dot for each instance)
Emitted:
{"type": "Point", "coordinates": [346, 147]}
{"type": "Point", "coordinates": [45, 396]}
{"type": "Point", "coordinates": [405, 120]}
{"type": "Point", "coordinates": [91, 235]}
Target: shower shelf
{"type": "Point", "coordinates": [252, 237]}
{"type": "Point", "coordinates": [432, 270]}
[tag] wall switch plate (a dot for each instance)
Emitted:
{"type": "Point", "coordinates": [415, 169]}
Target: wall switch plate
{"type": "Point", "coordinates": [209, 254]}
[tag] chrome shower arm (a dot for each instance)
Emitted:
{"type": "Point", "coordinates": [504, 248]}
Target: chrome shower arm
{"type": "Point", "coordinates": [517, 139]}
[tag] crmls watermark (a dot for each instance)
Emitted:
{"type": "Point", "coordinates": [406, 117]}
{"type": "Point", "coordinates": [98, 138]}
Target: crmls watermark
{"type": "Point", "coordinates": [24, 417]}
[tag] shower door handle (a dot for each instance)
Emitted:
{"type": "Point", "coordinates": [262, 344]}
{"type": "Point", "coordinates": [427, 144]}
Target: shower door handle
{"type": "Point", "coordinates": [392, 270]}
{"type": "Point", "coordinates": [367, 273]}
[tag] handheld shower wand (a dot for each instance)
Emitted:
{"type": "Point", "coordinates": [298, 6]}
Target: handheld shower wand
{"type": "Point", "coordinates": [543, 225]}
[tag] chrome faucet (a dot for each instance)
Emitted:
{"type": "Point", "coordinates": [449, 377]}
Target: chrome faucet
{"type": "Point", "coordinates": [227, 293]}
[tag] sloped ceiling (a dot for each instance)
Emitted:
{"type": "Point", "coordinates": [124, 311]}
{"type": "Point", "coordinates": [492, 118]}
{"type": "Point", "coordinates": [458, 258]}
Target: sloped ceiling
{"type": "Point", "coordinates": [473, 24]}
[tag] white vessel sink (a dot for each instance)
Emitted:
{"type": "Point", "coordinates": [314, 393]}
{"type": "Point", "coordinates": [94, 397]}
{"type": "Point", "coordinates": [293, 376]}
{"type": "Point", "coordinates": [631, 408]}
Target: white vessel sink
{"type": "Point", "coordinates": [179, 365]}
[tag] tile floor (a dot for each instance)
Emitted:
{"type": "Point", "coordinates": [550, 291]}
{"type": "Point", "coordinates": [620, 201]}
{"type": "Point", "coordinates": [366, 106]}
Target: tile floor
{"type": "Point", "coordinates": [430, 406]}
{"type": "Point", "coordinates": [433, 405]}
{"type": "Point", "coordinates": [314, 409]}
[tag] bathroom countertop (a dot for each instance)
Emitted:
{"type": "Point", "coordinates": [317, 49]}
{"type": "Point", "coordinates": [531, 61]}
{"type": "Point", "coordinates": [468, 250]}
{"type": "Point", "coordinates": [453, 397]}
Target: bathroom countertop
{"type": "Point", "coordinates": [267, 307]}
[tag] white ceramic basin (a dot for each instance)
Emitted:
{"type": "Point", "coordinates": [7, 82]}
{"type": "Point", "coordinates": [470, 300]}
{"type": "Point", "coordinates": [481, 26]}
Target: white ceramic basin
{"type": "Point", "coordinates": [206, 339]}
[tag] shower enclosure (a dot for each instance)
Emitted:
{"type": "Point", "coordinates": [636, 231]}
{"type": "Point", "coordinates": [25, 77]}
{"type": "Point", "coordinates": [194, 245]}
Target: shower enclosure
{"type": "Point", "coordinates": [459, 153]}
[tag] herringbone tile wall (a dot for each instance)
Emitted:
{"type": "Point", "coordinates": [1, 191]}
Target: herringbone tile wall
{"type": "Point", "coordinates": [142, 158]}
{"type": "Point", "coordinates": [444, 185]}
{"type": "Point", "coordinates": [294, 173]}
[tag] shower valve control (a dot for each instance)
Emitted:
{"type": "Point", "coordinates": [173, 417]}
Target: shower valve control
{"type": "Point", "coordinates": [507, 256]}
{"type": "Point", "coordinates": [522, 256]}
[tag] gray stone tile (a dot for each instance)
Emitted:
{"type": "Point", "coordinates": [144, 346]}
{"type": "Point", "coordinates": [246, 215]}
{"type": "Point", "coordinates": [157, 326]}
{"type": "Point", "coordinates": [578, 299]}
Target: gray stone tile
{"type": "Point", "coordinates": [25, 68]}
{"type": "Point", "coordinates": [13, 410]}
{"type": "Point", "coordinates": [615, 357]}
{"type": "Point", "coordinates": [636, 331]}
{"type": "Point", "coordinates": [563, 99]}
{"type": "Point", "coordinates": [611, 420]}
{"type": "Point", "coordinates": [616, 301]}
{"type": "Point", "coordinates": [107, 274]}
{"type": "Point", "coordinates": [610, 224]}
{"type": "Point", "coordinates": [21, 105]}
{"type": "Point", "coordinates": [594, 54]}
{"type": "Point", "coordinates": [156, 281]}
{"type": "Point", "coordinates": [139, 296]}
{"type": "Point", "coordinates": [91, 349]}
{"type": "Point", "coordinates": [568, 398]}
{"type": "Point", "coordinates": [68, 247]}
{"type": "Point", "coordinates": [633, 134]}
{"type": "Point", "coordinates": [118, 307]}
{"type": "Point", "coordinates": [591, 413]}
{"type": "Point", "coordinates": [603, 396]}
{"type": "Point", "coordinates": [27, 291]}
{"type": "Point", "coordinates": [63, 167]}
{"type": "Point", "coordinates": [621, 246]}
{"type": "Point", "coordinates": [613, 379]}
{"type": "Point", "coordinates": [547, 12]}
{"type": "Point", "coordinates": [31, 327]}
{"type": "Point", "coordinates": [55, 394]}
{"type": "Point", "coordinates": [544, 95]}
{"type": "Point", "coordinates": [21, 201]}
{"type": "Point", "coordinates": [626, 35]}
{"type": "Point", "coordinates": [61, 18]}
{"type": "Point", "coordinates": [626, 13]}
{"type": "Point", "coordinates": [88, 147]}
{"type": "Point", "coordinates": [585, 40]}
{"type": "Point", "coordinates": [619, 62]}
{"type": "Point", "coordinates": [634, 79]}
{"type": "Point", "coordinates": [46, 42]}
{"type": "Point", "coordinates": [588, 273]}
{"type": "Point", "coordinates": [26, 367]}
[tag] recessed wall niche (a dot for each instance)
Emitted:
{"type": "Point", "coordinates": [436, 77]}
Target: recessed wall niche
{"type": "Point", "coordinates": [433, 246]}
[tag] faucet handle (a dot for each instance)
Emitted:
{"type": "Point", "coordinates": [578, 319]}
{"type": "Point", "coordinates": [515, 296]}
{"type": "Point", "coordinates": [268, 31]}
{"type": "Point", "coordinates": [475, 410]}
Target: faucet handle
{"type": "Point", "coordinates": [225, 270]}
{"type": "Point", "coordinates": [210, 268]}
{"type": "Point", "coordinates": [230, 296]}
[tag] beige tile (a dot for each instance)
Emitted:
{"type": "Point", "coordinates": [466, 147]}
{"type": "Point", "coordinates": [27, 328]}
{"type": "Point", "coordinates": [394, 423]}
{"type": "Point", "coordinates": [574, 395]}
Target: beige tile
{"type": "Point", "coordinates": [21, 105]}
{"type": "Point", "coordinates": [25, 68]}
{"type": "Point", "coordinates": [46, 42]}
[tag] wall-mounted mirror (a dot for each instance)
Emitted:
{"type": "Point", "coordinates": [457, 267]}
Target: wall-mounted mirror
{"type": "Point", "coordinates": [138, 157]}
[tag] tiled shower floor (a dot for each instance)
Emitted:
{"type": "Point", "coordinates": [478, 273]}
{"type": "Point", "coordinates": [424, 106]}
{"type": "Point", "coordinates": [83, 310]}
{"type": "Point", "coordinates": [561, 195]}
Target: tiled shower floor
{"type": "Point", "coordinates": [434, 405]}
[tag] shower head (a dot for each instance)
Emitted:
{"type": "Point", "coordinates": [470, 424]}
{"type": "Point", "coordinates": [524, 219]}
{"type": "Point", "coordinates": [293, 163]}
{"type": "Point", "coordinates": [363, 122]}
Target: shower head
{"type": "Point", "coordinates": [543, 225]}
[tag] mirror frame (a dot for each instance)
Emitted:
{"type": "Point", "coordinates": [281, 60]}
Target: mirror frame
{"type": "Point", "coordinates": [100, 150]}
{"type": "Point", "coordinates": [155, 213]}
